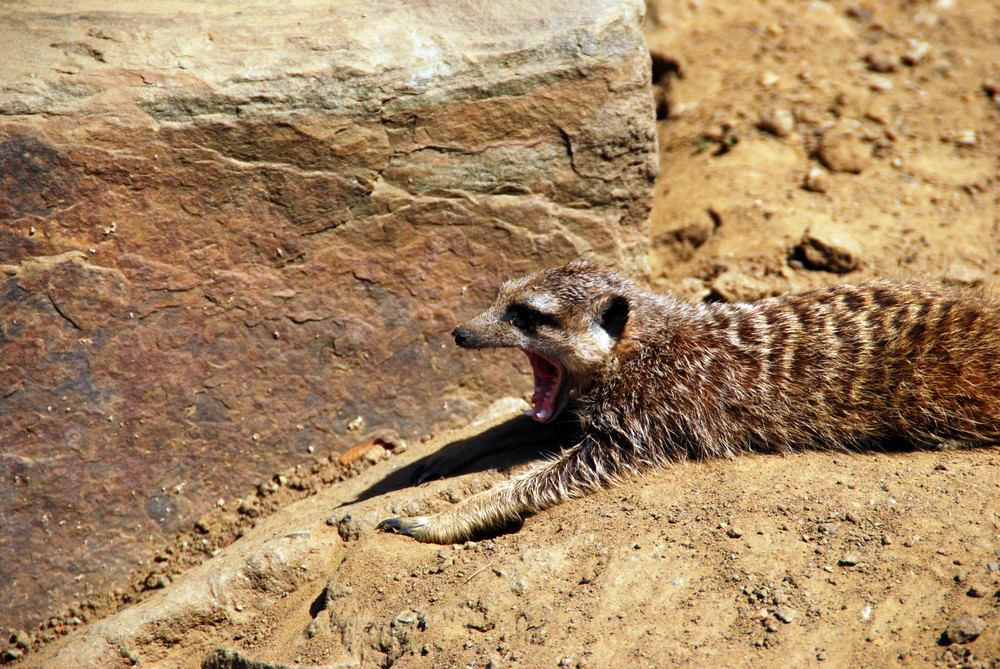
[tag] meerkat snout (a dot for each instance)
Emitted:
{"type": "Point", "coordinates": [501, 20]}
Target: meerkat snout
{"type": "Point", "coordinates": [463, 336]}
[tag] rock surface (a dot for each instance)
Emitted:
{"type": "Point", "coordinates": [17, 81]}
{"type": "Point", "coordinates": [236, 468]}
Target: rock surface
{"type": "Point", "coordinates": [230, 234]}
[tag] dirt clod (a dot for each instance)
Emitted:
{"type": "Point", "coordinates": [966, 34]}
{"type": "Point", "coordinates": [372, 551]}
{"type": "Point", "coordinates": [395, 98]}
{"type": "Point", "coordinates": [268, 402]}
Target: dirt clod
{"type": "Point", "coordinates": [842, 150]}
{"type": "Point", "coordinates": [349, 528]}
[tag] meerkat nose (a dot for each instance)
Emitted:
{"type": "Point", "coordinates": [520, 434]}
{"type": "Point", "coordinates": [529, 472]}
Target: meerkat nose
{"type": "Point", "coordinates": [462, 336]}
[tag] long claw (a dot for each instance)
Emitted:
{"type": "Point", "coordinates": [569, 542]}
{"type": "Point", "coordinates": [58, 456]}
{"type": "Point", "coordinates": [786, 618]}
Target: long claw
{"type": "Point", "coordinates": [408, 526]}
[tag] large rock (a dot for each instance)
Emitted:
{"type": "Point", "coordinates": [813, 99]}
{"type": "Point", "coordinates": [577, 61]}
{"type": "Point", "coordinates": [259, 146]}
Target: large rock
{"type": "Point", "coordinates": [227, 233]}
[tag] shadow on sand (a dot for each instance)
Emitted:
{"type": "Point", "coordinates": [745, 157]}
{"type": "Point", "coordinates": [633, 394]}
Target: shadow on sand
{"type": "Point", "coordinates": [513, 442]}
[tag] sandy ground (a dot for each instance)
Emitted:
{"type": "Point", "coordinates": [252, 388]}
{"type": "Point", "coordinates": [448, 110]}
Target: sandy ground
{"type": "Point", "coordinates": [802, 144]}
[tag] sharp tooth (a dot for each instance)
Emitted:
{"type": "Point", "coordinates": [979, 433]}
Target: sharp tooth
{"type": "Point", "coordinates": [542, 414]}
{"type": "Point", "coordinates": [529, 412]}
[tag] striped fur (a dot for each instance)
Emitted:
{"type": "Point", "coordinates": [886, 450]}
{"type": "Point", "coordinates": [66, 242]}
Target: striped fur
{"type": "Point", "coordinates": [851, 366]}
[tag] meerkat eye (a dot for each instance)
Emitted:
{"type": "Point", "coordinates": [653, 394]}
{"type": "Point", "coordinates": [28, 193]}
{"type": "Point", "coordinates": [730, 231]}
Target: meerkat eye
{"type": "Point", "coordinates": [525, 318]}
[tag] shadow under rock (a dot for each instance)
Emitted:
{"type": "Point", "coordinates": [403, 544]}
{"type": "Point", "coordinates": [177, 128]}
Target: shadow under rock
{"type": "Point", "coordinates": [511, 443]}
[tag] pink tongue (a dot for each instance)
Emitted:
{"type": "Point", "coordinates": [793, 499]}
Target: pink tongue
{"type": "Point", "coordinates": [546, 379]}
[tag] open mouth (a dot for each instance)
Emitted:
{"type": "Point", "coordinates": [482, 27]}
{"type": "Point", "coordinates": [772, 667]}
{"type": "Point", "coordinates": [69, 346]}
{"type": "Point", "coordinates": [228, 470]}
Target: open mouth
{"type": "Point", "coordinates": [548, 383]}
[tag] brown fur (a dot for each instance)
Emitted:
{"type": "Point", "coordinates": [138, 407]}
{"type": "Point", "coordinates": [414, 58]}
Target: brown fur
{"type": "Point", "coordinates": [655, 379]}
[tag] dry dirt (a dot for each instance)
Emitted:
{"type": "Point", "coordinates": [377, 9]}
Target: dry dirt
{"type": "Point", "coordinates": [802, 144]}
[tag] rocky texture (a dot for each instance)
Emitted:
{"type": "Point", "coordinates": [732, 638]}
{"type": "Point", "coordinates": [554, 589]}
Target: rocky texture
{"type": "Point", "coordinates": [230, 234]}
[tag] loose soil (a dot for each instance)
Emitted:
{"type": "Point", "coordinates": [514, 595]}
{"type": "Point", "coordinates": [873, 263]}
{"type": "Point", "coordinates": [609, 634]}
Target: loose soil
{"type": "Point", "coordinates": [802, 144]}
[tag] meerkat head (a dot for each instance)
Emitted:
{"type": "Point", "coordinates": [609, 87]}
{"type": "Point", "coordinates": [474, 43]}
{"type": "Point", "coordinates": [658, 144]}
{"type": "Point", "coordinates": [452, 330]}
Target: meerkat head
{"type": "Point", "coordinates": [568, 321]}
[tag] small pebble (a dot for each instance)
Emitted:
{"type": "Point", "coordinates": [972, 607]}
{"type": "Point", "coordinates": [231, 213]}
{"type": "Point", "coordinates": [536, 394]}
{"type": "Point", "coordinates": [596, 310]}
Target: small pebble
{"type": "Point", "coordinates": [832, 247]}
{"type": "Point", "coordinates": [778, 122]}
{"type": "Point", "coordinates": [768, 79]}
{"type": "Point", "coordinates": [821, 656]}
{"type": "Point", "coordinates": [882, 61]}
{"type": "Point", "coordinates": [965, 138]}
{"type": "Point", "coordinates": [817, 181]}
{"type": "Point", "coordinates": [375, 454]}
{"type": "Point", "coordinates": [963, 630]}
{"type": "Point", "coordinates": [978, 590]}
{"type": "Point", "coordinates": [11, 654]}
{"type": "Point", "coordinates": [785, 614]}
{"type": "Point", "coordinates": [879, 84]}
{"type": "Point", "coordinates": [850, 559]}
{"type": "Point", "coordinates": [916, 52]}
{"type": "Point", "coordinates": [21, 639]}
{"type": "Point", "coordinates": [734, 531]}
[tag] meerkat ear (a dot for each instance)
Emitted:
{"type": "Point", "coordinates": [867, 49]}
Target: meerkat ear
{"type": "Point", "coordinates": [613, 312]}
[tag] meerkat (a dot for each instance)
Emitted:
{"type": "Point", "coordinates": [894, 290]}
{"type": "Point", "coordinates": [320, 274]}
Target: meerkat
{"type": "Point", "coordinates": [653, 379]}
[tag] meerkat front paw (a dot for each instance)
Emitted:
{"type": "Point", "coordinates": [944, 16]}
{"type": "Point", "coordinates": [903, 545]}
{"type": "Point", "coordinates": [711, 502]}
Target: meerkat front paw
{"type": "Point", "coordinates": [411, 527]}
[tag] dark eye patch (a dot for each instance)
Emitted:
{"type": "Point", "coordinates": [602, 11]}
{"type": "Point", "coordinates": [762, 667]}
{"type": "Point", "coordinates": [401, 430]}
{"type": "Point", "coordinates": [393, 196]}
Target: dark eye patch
{"type": "Point", "coordinates": [525, 318]}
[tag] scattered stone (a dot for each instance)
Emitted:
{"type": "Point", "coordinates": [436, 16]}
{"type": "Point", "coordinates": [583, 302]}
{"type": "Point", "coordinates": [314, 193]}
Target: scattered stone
{"type": "Point", "coordinates": [157, 581]}
{"type": "Point", "coordinates": [963, 630]}
{"type": "Point", "coordinates": [375, 454]}
{"type": "Point", "coordinates": [734, 532]}
{"type": "Point", "coordinates": [841, 150]}
{"type": "Point", "coordinates": [11, 654]}
{"type": "Point", "coordinates": [881, 84]}
{"type": "Point", "coordinates": [916, 51]}
{"type": "Point", "coordinates": [993, 566]}
{"type": "Point", "coordinates": [768, 79]}
{"type": "Point", "coordinates": [735, 286]}
{"type": "Point", "coordinates": [850, 559]}
{"type": "Point", "coordinates": [977, 590]}
{"type": "Point", "coordinates": [961, 577]}
{"type": "Point", "coordinates": [817, 181]}
{"type": "Point", "coordinates": [880, 111]}
{"type": "Point", "coordinates": [965, 138]}
{"type": "Point", "coordinates": [406, 617]}
{"type": "Point", "coordinates": [248, 508]}
{"type": "Point", "coordinates": [821, 656]}
{"type": "Point", "coordinates": [882, 60]}
{"type": "Point", "coordinates": [349, 528]}
{"type": "Point", "coordinates": [21, 639]}
{"type": "Point", "coordinates": [317, 626]}
{"type": "Point", "coordinates": [962, 273]}
{"type": "Point", "coordinates": [831, 247]}
{"type": "Point", "coordinates": [778, 122]}
{"type": "Point", "coordinates": [785, 614]}
{"type": "Point", "coordinates": [887, 539]}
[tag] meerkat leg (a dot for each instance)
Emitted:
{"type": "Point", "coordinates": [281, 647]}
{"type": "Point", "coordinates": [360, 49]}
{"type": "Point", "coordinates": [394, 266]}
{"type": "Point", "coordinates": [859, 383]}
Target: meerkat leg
{"type": "Point", "coordinates": [576, 472]}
